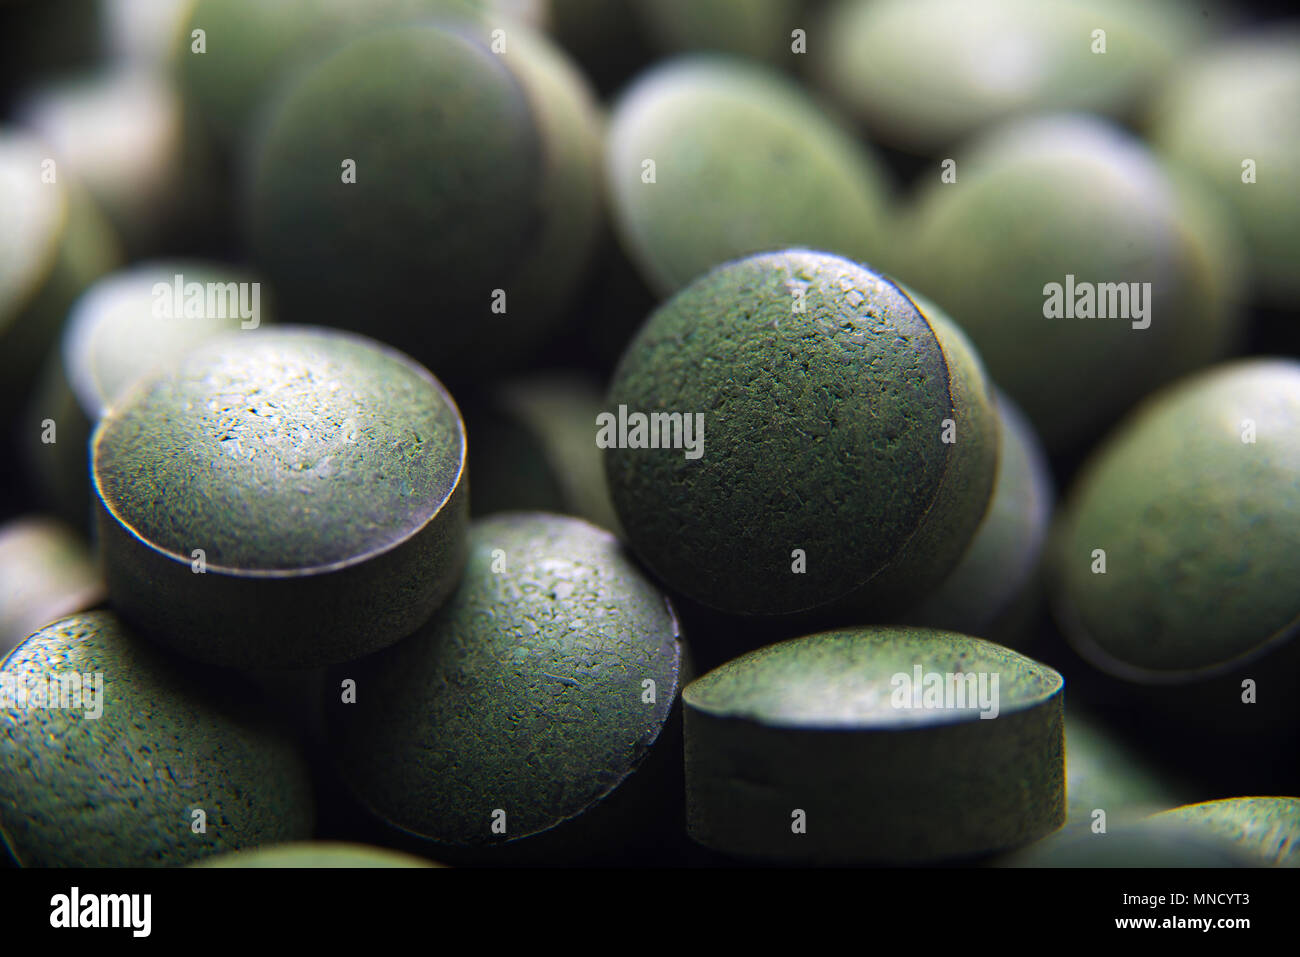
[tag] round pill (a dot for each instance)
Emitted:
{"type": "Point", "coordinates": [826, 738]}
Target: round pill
{"type": "Point", "coordinates": [683, 203]}
{"type": "Point", "coordinates": [245, 49]}
{"type": "Point", "coordinates": [1063, 251]}
{"type": "Point", "coordinates": [54, 242]}
{"type": "Point", "coordinates": [46, 573]}
{"type": "Point", "coordinates": [1177, 551]}
{"type": "Point", "coordinates": [1267, 826]}
{"type": "Point", "coordinates": [125, 325]}
{"type": "Point", "coordinates": [990, 592]}
{"type": "Point", "coordinates": [314, 854]}
{"type": "Point", "coordinates": [1220, 117]}
{"type": "Point", "coordinates": [531, 449]}
{"type": "Point", "coordinates": [789, 431]}
{"type": "Point", "coordinates": [461, 235]}
{"type": "Point", "coordinates": [869, 744]}
{"type": "Point", "coordinates": [110, 756]}
{"type": "Point", "coordinates": [287, 499]}
{"type": "Point", "coordinates": [924, 72]}
{"type": "Point", "coordinates": [533, 709]}
{"type": "Point", "coordinates": [123, 134]}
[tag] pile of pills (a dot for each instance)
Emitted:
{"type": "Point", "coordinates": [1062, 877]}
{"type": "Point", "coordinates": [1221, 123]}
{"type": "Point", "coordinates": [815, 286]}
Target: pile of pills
{"type": "Point", "coordinates": [464, 432]}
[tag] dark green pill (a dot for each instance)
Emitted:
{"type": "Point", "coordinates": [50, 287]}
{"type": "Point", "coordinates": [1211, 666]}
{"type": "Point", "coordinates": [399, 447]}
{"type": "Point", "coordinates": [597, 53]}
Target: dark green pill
{"type": "Point", "coordinates": [314, 854]}
{"type": "Point", "coordinates": [250, 48]}
{"type": "Point", "coordinates": [1179, 547]}
{"type": "Point", "coordinates": [875, 744]}
{"type": "Point", "coordinates": [125, 326]}
{"type": "Point", "coordinates": [287, 499]}
{"type": "Point", "coordinates": [1267, 826]}
{"type": "Point", "coordinates": [789, 432]}
{"type": "Point", "coordinates": [532, 709]}
{"type": "Point", "coordinates": [137, 765]}
{"type": "Point", "coordinates": [46, 573]}
{"type": "Point", "coordinates": [459, 232]}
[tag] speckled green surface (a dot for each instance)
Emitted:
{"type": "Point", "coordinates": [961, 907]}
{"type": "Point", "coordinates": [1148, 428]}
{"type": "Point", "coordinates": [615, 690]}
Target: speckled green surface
{"type": "Point", "coordinates": [803, 180]}
{"type": "Point", "coordinates": [313, 854]}
{"type": "Point", "coordinates": [1236, 102]}
{"type": "Point", "coordinates": [120, 790]}
{"type": "Point", "coordinates": [310, 466]}
{"type": "Point", "coordinates": [822, 432]}
{"type": "Point", "coordinates": [1201, 530]}
{"type": "Point", "coordinates": [811, 724]}
{"type": "Point", "coordinates": [46, 572]}
{"type": "Point", "coordinates": [981, 250]}
{"type": "Point", "coordinates": [1267, 826]}
{"type": "Point", "coordinates": [112, 337]}
{"type": "Point", "coordinates": [490, 186]}
{"type": "Point", "coordinates": [524, 693]}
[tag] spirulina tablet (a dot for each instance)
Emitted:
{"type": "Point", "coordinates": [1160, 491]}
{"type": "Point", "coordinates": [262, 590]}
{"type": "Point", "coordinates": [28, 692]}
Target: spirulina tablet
{"type": "Point", "coordinates": [46, 573]}
{"type": "Point", "coordinates": [1177, 551]}
{"type": "Point", "coordinates": [533, 709]}
{"type": "Point", "coordinates": [460, 233]}
{"type": "Point", "coordinates": [532, 449]}
{"type": "Point", "coordinates": [874, 744]}
{"type": "Point", "coordinates": [1108, 786]}
{"type": "Point", "coordinates": [1064, 249]}
{"type": "Point", "coordinates": [124, 326]}
{"type": "Point", "coordinates": [246, 49]}
{"type": "Point", "coordinates": [124, 134]}
{"type": "Point", "coordinates": [1267, 826]}
{"type": "Point", "coordinates": [149, 769]}
{"type": "Point", "coordinates": [1227, 116]}
{"type": "Point", "coordinates": [53, 243]}
{"type": "Point", "coordinates": [924, 72]}
{"type": "Point", "coordinates": [710, 159]}
{"type": "Point", "coordinates": [814, 439]}
{"type": "Point", "coordinates": [993, 584]}
{"type": "Point", "coordinates": [287, 499]}
{"type": "Point", "coordinates": [314, 854]}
